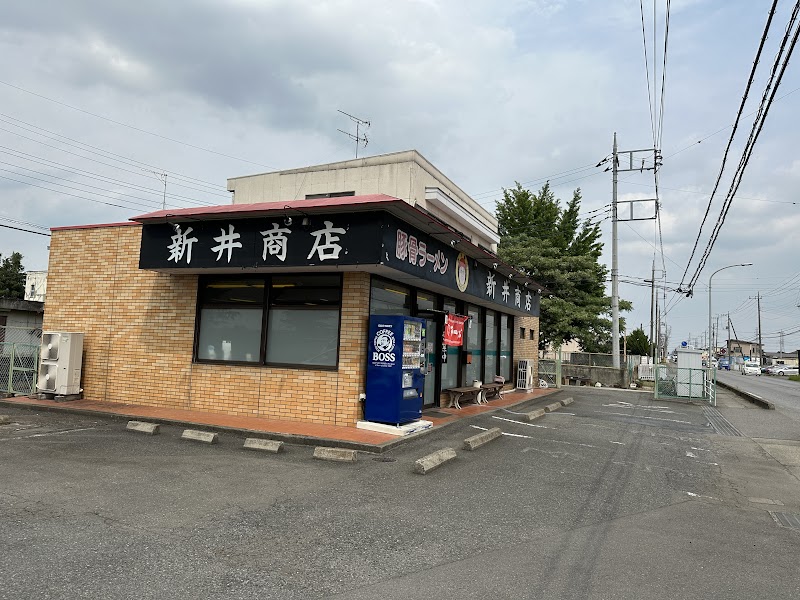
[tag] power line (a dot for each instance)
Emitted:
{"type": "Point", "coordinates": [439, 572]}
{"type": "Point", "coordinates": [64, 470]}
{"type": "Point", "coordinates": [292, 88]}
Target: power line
{"type": "Point", "coordinates": [91, 175]}
{"type": "Point", "coordinates": [660, 113]}
{"type": "Point", "coordinates": [138, 173]}
{"type": "Point", "coordinates": [733, 133]}
{"type": "Point", "coordinates": [25, 230]}
{"type": "Point", "coordinates": [67, 193]}
{"type": "Point", "coordinates": [647, 72]}
{"type": "Point", "coordinates": [52, 135]}
{"type": "Point", "coordinates": [139, 129]}
{"type": "Point", "coordinates": [766, 103]}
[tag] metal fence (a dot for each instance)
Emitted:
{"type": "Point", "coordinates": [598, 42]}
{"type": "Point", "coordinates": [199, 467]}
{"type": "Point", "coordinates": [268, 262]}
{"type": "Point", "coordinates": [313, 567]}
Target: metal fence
{"type": "Point", "coordinates": [589, 359]}
{"type": "Point", "coordinates": [690, 384]}
{"type": "Point", "coordinates": [550, 372]}
{"type": "Point", "coordinates": [19, 359]}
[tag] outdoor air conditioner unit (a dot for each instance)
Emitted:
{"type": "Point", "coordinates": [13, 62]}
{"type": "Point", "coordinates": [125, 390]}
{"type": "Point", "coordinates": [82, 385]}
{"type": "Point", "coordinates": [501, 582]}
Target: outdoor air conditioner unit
{"type": "Point", "coordinates": [60, 364]}
{"type": "Point", "coordinates": [525, 374]}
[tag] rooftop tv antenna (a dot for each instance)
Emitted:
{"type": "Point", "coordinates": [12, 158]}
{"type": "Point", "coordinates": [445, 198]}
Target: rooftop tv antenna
{"type": "Point", "coordinates": [358, 137]}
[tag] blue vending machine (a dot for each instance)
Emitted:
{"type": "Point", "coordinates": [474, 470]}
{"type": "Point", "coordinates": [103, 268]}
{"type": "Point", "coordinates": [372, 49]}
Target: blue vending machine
{"type": "Point", "coordinates": [395, 369]}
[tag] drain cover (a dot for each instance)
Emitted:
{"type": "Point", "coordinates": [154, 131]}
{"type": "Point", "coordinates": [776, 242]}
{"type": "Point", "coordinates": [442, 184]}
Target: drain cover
{"type": "Point", "coordinates": [720, 424]}
{"type": "Point", "coordinates": [786, 520]}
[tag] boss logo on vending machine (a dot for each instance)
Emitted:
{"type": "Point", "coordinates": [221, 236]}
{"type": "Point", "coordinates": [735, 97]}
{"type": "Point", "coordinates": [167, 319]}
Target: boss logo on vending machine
{"type": "Point", "coordinates": [384, 344]}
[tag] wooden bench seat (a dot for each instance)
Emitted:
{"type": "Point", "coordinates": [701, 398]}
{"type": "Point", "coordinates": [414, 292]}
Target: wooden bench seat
{"type": "Point", "coordinates": [467, 393]}
{"type": "Point", "coordinates": [492, 390]}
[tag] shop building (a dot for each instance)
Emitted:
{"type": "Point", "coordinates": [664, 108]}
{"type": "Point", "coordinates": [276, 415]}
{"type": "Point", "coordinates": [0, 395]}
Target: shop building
{"type": "Point", "coordinates": [261, 307]}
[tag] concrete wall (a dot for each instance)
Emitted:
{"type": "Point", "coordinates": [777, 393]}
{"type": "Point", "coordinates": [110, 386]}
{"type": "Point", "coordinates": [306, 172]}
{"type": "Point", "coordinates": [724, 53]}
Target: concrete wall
{"type": "Point", "coordinates": [607, 376]}
{"type": "Point", "coordinates": [404, 175]}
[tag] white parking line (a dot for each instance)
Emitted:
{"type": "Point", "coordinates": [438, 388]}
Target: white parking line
{"type": "Point", "coordinates": [505, 433]}
{"type": "Point", "coordinates": [643, 417]}
{"type": "Point", "coordinates": [35, 435]}
{"type": "Point", "coordinates": [520, 422]}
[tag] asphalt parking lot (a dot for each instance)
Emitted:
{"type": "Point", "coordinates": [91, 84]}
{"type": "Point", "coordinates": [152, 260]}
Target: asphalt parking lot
{"type": "Point", "coordinates": [613, 496]}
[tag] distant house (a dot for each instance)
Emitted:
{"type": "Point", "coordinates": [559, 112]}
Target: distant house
{"type": "Point", "coordinates": [20, 321]}
{"type": "Point", "coordinates": [742, 351]}
{"type": "Point", "coordinates": [781, 358]}
{"type": "Point", "coordinates": [36, 285]}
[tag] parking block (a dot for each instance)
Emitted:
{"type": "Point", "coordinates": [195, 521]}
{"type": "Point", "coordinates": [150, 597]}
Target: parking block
{"type": "Point", "coordinates": [552, 407]}
{"type": "Point", "coordinates": [484, 437]}
{"type": "Point", "coordinates": [335, 454]}
{"type": "Point", "coordinates": [567, 401]}
{"type": "Point", "coordinates": [273, 446]}
{"type": "Point", "coordinates": [434, 460]}
{"type": "Point", "coordinates": [5, 419]}
{"type": "Point", "coordinates": [199, 436]}
{"type": "Point", "coordinates": [143, 427]}
{"type": "Point", "coordinates": [534, 414]}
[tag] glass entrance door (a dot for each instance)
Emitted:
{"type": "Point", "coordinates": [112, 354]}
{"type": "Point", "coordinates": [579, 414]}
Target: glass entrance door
{"type": "Point", "coordinates": [431, 362]}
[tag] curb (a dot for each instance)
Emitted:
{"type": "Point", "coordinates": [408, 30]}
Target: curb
{"type": "Point", "coordinates": [288, 438]}
{"type": "Point", "coordinates": [757, 400]}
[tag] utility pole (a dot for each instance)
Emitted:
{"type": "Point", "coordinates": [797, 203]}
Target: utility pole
{"type": "Point", "coordinates": [760, 348]}
{"type": "Point", "coordinates": [615, 171]}
{"type": "Point", "coordinates": [657, 353]}
{"type": "Point", "coordinates": [652, 302]}
{"type": "Point", "coordinates": [163, 177]}
{"type": "Point", "coordinates": [614, 267]}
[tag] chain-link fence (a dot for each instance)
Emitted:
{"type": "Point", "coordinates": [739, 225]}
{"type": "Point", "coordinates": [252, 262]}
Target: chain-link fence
{"type": "Point", "coordinates": [674, 382]}
{"type": "Point", "coordinates": [19, 359]}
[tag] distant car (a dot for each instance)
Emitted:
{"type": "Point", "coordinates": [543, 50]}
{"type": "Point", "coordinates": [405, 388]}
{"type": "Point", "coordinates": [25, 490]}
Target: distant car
{"type": "Point", "coordinates": [725, 364]}
{"type": "Point", "coordinates": [748, 369]}
{"type": "Point", "coordinates": [772, 369]}
{"type": "Point", "coordinates": [765, 368]}
{"type": "Point", "coordinates": [785, 370]}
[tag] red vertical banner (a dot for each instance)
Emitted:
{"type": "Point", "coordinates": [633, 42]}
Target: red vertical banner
{"type": "Point", "coordinates": [454, 330]}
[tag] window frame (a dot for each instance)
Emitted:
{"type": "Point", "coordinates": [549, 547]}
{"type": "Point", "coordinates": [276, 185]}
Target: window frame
{"type": "Point", "coordinates": [265, 311]}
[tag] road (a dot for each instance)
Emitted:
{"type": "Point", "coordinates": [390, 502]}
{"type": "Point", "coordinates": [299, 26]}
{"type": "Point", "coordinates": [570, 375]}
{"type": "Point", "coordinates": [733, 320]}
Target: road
{"type": "Point", "coordinates": [778, 389]}
{"type": "Point", "coordinates": [615, 496]}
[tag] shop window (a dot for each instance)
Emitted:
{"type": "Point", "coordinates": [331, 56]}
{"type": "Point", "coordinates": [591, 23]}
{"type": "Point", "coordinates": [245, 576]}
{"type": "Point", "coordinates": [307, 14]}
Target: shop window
{"type": "Point", "coordinates": [473, 336]}
{"type": "Point", "coordinates": [449, 369]}
{"type": "Point", "coordinates": [283, 320]}
{"type": "Point", "coordinates": [389, 298]}
{"type": "Point", "coordinates": [490, 346]}
{"type": "Point", "coordinates": [531, 333]}
{"type": "Point", "coordinates": [231, 315]}
{"type": "Point", "coordinates": [303, 322]}
{"type": "Point", "coordinates": [506, 332]}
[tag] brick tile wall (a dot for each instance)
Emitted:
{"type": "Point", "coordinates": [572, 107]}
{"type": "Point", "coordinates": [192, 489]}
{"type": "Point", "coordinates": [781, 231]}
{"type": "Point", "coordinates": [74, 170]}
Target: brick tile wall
{"type": "Point", "coordinates": [526, 348]}
{"type": "Point", "coordinates": [139, 328]}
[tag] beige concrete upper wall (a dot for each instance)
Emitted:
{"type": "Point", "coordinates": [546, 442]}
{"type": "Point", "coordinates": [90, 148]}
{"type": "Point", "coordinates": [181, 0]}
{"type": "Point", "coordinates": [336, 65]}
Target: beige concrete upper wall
{"type": "Point", "coordinates": [404, 175]}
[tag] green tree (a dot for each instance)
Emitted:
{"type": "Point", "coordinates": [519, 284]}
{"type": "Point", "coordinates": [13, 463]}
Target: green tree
{"type": "Point", "coordinates": [638, 342]}
{"type": "Point", "coordinates": [12, 276]}
{"type": "Point", "coordinates": [549, 243]}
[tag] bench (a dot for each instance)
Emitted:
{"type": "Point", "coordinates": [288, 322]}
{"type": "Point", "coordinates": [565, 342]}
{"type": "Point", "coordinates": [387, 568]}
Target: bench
{"type": "Point", "coordinates": [467, 393]}
{"type": "Point", "coordinates": [492, 390]}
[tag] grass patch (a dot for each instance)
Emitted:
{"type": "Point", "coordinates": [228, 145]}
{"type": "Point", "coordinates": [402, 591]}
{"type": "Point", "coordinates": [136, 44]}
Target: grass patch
{"type": "Point", "coordinates": [794, 377]}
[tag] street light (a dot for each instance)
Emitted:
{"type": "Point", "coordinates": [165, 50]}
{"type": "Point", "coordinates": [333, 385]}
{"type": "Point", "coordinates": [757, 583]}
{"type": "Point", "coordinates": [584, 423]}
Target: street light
{"type": "Point", "coordinates": [709, 302]}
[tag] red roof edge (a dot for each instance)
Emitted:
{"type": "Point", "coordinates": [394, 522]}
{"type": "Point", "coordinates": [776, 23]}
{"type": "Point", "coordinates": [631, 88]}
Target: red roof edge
{"type": "Point", "coordinates": [95, 226]}
{"type": "Point", "coordinates": [224, 210]}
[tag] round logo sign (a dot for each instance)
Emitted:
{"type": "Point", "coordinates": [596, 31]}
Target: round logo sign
{"type": "Point", "coordinates": [462, 272]}
{"type": "Point", "coordinates": [384, 340]}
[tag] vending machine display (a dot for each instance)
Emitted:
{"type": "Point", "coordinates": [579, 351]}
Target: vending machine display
{"type": "Point", "coordinates": [395, 369]}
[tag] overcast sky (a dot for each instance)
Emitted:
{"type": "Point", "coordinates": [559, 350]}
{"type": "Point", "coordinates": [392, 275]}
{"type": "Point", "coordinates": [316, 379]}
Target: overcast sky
{"type": "Point", "coordinates": [93, 94]}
